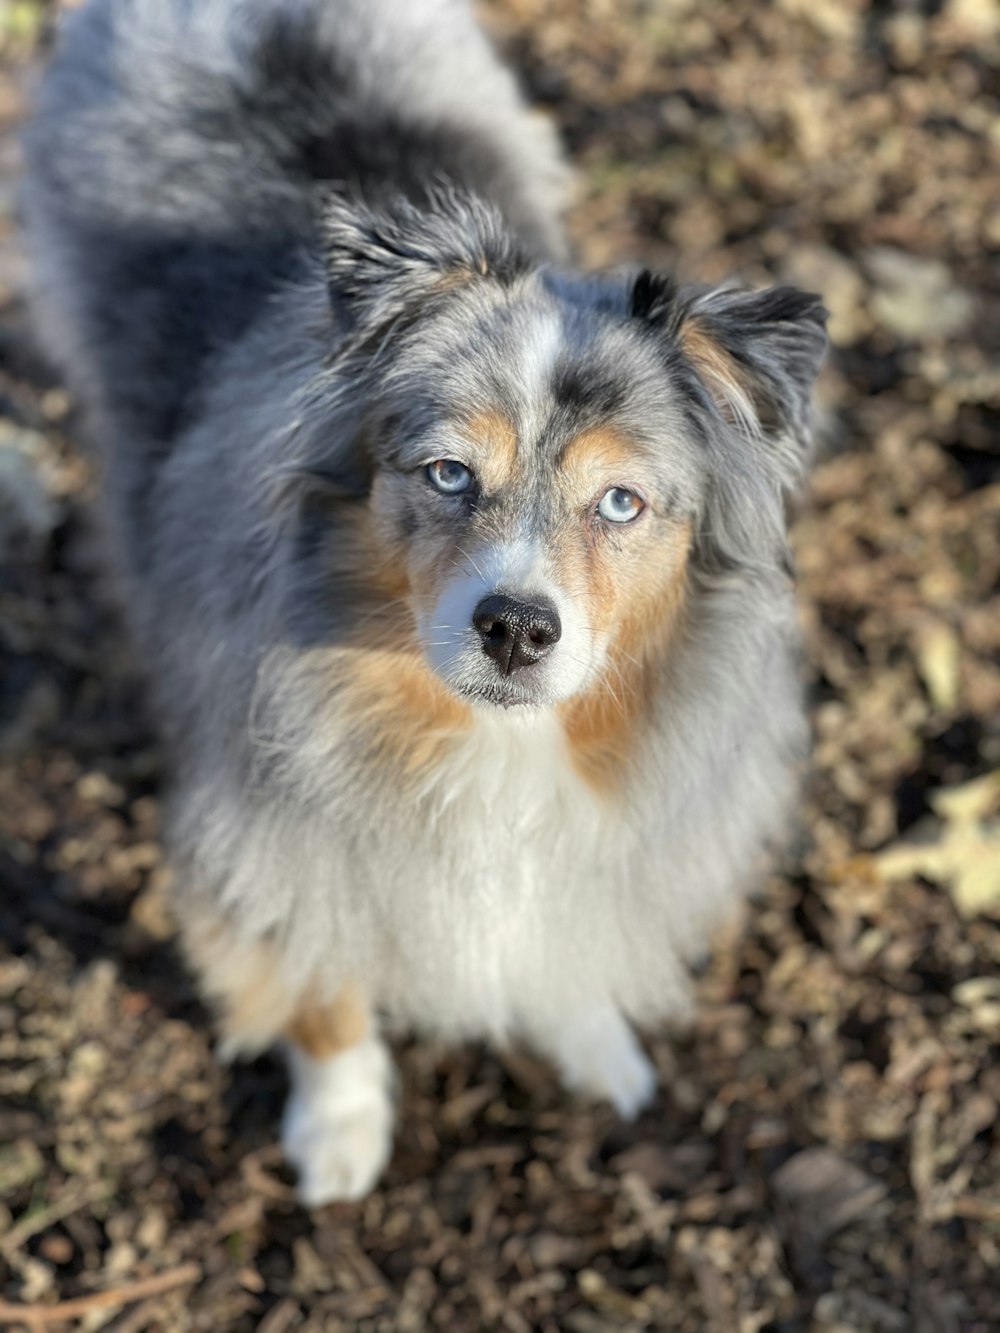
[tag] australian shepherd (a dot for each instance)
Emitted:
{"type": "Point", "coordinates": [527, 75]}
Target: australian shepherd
{"type": "Point", "coordinates": [460, 576]}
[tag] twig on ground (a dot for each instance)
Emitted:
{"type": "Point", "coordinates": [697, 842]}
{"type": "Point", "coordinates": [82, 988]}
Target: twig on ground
{"type": "Point", "coordinates": [34, 1315]}
{"type": "Point", "coordinates": [42, 1219]}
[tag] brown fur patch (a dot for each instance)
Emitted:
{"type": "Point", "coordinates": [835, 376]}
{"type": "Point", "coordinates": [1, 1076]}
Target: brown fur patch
{"type": "Point", "coordinates": [366, 569]}
{"type": "Point", "coordinates": [244, 982]}
{"type": "Point", "coordinates": [387, 691]}
{"type": "Point", "coordinates": [494, 437]}
{"type": "Point", "coordinates": [590, 461]}
{"type": "Point", "coordinates": [408, 716]}
{"type": "Point", "coordinates": [720, 372]}
{"type": "Point", "coordinates": [604, 725]}
{"type": "Point", "coordinates": [253, 999]}
{"type": "Point", "coordinates": [324, 1029]}
{"type": "Point", "coordinates": [594, 453]}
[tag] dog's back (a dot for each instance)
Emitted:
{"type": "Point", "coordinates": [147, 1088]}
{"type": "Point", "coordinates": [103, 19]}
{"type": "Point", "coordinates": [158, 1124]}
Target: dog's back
{"type": "Point", "coordinates": [177, 159]}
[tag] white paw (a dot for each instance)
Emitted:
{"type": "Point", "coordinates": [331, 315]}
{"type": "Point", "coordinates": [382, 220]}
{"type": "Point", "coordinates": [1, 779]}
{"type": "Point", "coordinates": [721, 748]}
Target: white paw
{"type": "Point", "coordinates": [337, 1128]}
{"type": "Point", "coordinates": [600, 1057]}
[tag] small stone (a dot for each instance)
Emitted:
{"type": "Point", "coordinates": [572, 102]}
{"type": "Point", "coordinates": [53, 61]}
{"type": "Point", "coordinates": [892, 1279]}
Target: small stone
{"type": "Point", "coordinates": [57, 1249]}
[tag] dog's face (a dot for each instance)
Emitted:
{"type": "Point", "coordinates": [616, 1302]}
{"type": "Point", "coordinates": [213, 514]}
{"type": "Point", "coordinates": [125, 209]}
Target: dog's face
{"type": "Point", "coordinates": [539, 498]}
{"type": "Point", "coordinates": [549, 453]}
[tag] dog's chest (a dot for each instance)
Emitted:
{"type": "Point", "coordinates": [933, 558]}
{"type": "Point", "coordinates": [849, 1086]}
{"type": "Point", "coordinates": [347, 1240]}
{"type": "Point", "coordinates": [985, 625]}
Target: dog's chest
{"type": "Point", "coordinates": [502, 829]}
{"type": "Point", "coordinates": [508, 800]}
{"type": "Point", "coordinates": [506, 859]}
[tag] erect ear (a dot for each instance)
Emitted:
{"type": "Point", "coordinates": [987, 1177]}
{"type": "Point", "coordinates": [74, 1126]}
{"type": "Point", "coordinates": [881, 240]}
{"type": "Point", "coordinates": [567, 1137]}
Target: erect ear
{"type": "Point", "coordinates": [755, 356]}
{"type": "Point", "coordinates": [385, 263]}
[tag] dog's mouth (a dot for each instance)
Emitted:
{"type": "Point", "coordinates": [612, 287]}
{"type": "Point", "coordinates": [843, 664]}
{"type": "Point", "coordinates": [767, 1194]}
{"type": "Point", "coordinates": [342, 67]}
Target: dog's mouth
{"type": "Point", "coordinates": [498, 695]}
{"type": "Point", "coordinates": [478, 680]}
{"type": "Point", "coordinates": [498, 649]}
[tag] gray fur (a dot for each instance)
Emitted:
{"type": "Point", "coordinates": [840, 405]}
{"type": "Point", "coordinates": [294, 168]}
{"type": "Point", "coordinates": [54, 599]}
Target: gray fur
{"type": "Point", "coordinates": [257, 325]}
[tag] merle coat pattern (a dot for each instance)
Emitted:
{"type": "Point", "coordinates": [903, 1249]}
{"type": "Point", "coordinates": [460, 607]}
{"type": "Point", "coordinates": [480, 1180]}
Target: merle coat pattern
{"type": "Point", "coordinates": [290, 256]}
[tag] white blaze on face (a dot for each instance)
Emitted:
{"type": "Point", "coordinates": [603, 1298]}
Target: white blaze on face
{"type": "Point", "coordinates": [516, 569]}
{"type": "Point", "coordinates": [538, 354]}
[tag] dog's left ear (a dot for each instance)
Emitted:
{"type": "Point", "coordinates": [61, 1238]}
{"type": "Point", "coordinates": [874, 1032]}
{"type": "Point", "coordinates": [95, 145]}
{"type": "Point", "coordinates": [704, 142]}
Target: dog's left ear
{"type": "Point", "coordinates": [757, 355]}
{"type": "Point", "coordinates": [387, 263]}
{"type": "Point", "coordinates": [754, 357]}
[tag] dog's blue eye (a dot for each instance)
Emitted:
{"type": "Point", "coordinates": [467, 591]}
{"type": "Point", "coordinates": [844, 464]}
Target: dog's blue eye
{"type": "Point", "coordinates": [448, 476]}
{"type": "Point", "coordinates": [620, 506]}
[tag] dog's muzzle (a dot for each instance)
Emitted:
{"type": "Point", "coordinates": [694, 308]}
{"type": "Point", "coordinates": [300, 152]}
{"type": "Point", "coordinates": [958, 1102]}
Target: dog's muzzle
{"type": "Point", "coordinates": [514, 633]}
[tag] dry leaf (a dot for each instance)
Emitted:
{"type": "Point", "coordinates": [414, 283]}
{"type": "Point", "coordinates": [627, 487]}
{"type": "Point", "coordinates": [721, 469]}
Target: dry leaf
{"type": "Point", "coordinates": [822, 1192]}
{"type": "Point", "coordinates": [939, 654]}
{"type": "Point", "coordinates": [962, 852]}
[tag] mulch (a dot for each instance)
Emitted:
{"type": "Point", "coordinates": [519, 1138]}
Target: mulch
{"type": "Point", "coordinates": [824, 1156]}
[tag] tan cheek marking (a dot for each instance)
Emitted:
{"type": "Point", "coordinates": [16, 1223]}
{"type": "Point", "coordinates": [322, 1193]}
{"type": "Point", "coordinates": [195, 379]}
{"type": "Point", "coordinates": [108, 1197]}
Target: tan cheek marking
{"type": "Point", "coordinates": [390, 580]}
{"type": "Point", "coordinates": [495, 438]}
{"type": "Point", "coordinates": [325, 1028]}
{"type": "Point", "coordinates": [594, 458]}
{"type": "Point", "coordinates": [647, 621]}
{"type": "Point", "coordinates": [577, 567]}
{"type": "Point", "coordinates": [402, 710]}
{"type": "Point", "coordinates": [365, 567]}
{"type": "Point", "coordinates": [386, 692]}
{"type": "Point", "coordinates": [604, 725]}
{"type": "Point", "coordinates": [434, 557]}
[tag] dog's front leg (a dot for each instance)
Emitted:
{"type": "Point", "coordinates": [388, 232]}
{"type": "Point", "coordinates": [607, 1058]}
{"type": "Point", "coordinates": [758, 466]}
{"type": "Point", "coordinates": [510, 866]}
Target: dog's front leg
{"type": "Point", "coordinates": [337, 1128]}
{"type": "Point", "coordinates": [598, 1055]}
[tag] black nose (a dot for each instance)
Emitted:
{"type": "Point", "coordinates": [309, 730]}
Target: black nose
{"type": "Point", "coordinates": [516, 634]}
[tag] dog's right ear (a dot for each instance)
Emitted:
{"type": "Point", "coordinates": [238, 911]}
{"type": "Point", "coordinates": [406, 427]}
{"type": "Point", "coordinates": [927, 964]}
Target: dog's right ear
{"type": "Point", "coordinates": [385, 264]}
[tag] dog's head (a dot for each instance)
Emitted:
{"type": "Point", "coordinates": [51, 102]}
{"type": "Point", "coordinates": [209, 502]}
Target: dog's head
{"type": "Point", "coordinates": [547, 454]}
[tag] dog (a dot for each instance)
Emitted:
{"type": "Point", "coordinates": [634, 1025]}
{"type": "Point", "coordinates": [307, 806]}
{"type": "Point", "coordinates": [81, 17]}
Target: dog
{"type": "Point", "coordinates": [460, 577]}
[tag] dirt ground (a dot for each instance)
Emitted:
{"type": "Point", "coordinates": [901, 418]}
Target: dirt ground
{"type": "Point", "coordinates": [824, 1157]}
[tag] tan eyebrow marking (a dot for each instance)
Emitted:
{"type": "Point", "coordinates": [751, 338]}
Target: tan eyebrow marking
{"type": "Point", "coordinates": [600, 446]}
{"type": "Point", "coordinates": [597, 457]}
{"type": "Point", "coordinates": [495, 437]}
